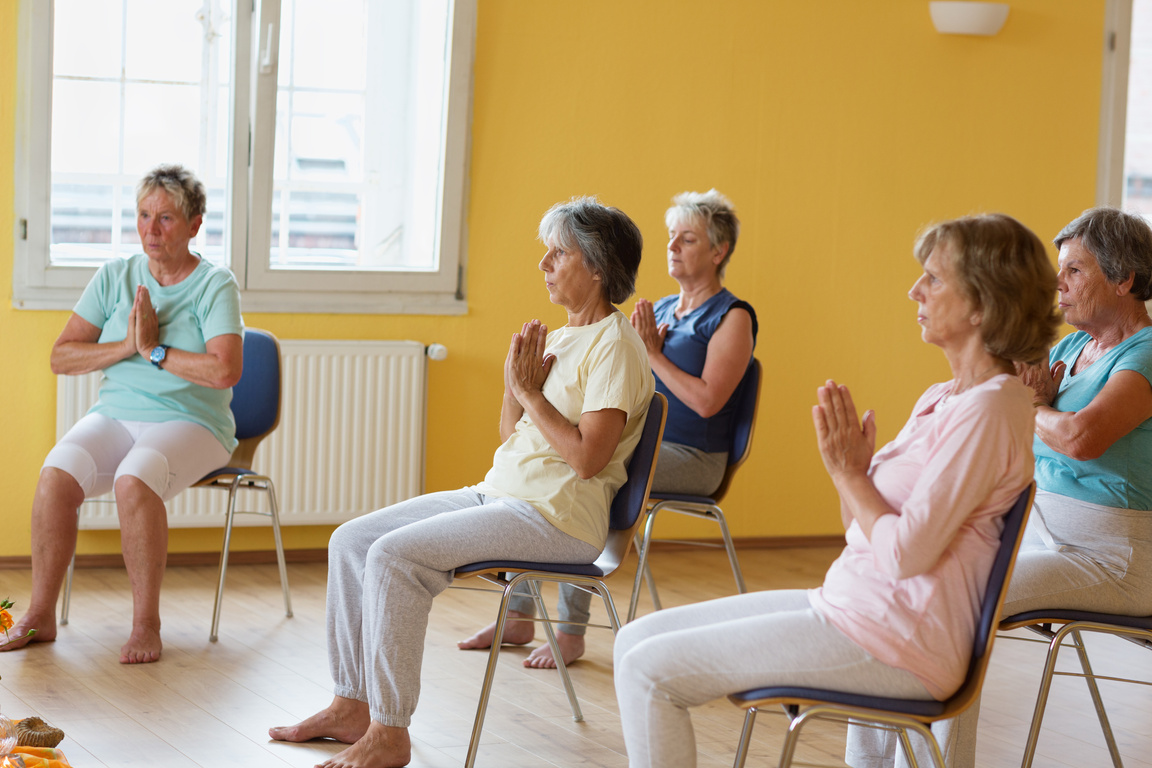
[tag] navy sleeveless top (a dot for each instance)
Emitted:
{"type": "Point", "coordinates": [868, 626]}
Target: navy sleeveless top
{"type": "Point", "coordinates": [686, 345]}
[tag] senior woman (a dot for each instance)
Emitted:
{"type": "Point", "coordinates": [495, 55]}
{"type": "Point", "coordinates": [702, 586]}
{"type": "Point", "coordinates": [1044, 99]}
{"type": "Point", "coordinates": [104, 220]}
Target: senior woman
{"type": "Point", "coordinates": [164, 326]}
{"type": "Point", "coordinates": [923, 516]}
{"type": "Point", "coordinates": [699, 344]}
{"type": "Point", "coordinates": [1088, 545]}
{"type": "Point", "coordinates": [573, 409]}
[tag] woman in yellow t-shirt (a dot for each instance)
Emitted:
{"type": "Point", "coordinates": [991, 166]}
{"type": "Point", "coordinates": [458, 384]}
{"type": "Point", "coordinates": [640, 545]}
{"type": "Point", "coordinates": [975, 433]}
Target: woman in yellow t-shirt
{"type": "Point", "coordinates": [573, 410]}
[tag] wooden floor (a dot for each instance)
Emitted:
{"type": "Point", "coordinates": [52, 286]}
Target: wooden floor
{"type": "Point", "coordinates": [210, 704]}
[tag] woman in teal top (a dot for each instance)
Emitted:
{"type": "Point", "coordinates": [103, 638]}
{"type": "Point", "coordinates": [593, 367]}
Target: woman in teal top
{"type": "Point", "coordinates": [164, 326]}
{"type": "Point", "coordinates": [1088, 545]}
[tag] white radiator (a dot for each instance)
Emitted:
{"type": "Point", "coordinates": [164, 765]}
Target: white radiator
{"type": "Point", "coordinates": [350, 439]}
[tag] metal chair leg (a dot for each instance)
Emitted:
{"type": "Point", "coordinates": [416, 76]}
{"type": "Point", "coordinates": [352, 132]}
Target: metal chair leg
{"type": "Point", "coordinates": [489, 674]}
{"type": "Point", "coordinates": [1042, 697]}
{"type": "Point", "coordinates": [1090, 679]}
{"type": "Point", "coordinates": [213, 635]}
{"type": "Point", "coordinates": [561, 667]}
{"type": "Point", "coordinates": [67, 590]}
{"type": "Point", "coordinates": [274, 512]}
{"type": "Point", "coordinates": [642, 571]}
{"type": "Point", "coordinates": [731, 549]}
{"type": "Point", "coordinates": [745, 738]}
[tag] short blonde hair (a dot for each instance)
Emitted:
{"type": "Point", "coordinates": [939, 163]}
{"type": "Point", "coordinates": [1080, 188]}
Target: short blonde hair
{"type": "Point", "coordinates": [1005, 271]}
{"type": "Point", "coordinates": [182, 186]}
{"type": "Point", "coordinates": [715, 212]}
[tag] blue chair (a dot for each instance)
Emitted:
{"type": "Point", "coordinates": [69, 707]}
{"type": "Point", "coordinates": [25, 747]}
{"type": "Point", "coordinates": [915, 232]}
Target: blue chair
{"type": "Point", "coordinates": [256, 409]}
{"type": "Point", "coordinates": [625, 515]}
{"type": "Point", "coordinates": [1137, 629]}
{"type": "Point", "coordinates": [805, 704]}
{"type": "Point", "coordinates": [705, 507]}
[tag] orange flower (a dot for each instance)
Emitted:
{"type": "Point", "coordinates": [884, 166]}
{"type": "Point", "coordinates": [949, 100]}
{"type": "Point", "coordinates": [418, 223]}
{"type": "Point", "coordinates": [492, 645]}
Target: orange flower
{"type": "Point", "coordinates": [6, 621]}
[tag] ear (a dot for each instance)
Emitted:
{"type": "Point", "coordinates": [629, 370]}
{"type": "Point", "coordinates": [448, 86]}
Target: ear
{"type": "Point", "coordinates": [195, 224]}
{"type": "Point", "coordinates": [720, 253]}
{"type": "Point", "coordinates": [1125, 287]}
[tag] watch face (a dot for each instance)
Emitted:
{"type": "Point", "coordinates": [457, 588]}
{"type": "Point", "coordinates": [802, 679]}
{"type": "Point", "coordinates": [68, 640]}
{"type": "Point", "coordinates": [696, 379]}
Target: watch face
{"type": "Point", "coordinates": [158, 354]}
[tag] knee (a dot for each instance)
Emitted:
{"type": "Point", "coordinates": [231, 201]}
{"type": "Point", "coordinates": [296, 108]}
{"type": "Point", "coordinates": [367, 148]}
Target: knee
{"type": "Point", "coordinates": [59, 488]}
{"type": "Point", "coordinates": [133, 494]}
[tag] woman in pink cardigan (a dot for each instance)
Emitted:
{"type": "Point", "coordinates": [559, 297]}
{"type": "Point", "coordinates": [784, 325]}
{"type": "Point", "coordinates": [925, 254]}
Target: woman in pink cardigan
{"type": "Point", "coordinates": [897, 611]}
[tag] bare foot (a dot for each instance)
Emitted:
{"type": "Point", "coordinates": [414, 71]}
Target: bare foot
{"type": "Point", "coordinates": [143, 646]}
{"type": "Point", "coordinates": [23, 633]}
{"type": "Point", "coordinates": [30, 629]}
{"type": "Point", "coordinates": [345, 720]}
{"type": "Point", "coordinates": [381, 747]}
{"type": "Point", "coordinates": [571, 648]}
{"type": "Point", "coordinates": [515, 633]}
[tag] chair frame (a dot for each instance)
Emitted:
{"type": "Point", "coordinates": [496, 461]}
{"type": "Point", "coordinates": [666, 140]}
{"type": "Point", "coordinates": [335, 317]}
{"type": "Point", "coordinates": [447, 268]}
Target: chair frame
{"type": "Point", "coordinates": [508, 575]}
{"type": "Point", "coordinates": [236, 476]}
{"type": "Point", "coordinates": [703, 507]}
{"type": "Point", "coordinates": [1136, 629]}
{"type": "Point", "coordinates": [807, 704]}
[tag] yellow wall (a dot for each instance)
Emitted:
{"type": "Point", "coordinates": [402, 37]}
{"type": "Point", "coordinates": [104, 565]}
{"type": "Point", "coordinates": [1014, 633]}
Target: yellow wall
{"type": "Point", "coordinates": [838, 128]}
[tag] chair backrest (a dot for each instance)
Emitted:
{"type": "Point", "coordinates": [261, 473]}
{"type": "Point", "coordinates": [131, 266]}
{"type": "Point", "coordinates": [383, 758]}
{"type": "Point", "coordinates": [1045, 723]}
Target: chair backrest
{"type": "Point", "coordinates": [993, 601]}
{"type": "Point", "coordinates": [747, 405]}
{"type": "Point", "coordinates": [631, 499]}
{"type": "Point", "coordinates": [256, 397]}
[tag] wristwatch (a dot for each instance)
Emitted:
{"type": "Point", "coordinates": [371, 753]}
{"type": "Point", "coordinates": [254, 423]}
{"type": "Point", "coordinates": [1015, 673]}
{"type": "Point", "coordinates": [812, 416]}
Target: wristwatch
{"type": "Point", "coordinates": [159, 352]}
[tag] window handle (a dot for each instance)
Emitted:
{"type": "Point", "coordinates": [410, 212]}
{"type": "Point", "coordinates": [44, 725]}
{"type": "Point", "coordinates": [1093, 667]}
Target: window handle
{"type": "Point", "coordinates": [268, 53]}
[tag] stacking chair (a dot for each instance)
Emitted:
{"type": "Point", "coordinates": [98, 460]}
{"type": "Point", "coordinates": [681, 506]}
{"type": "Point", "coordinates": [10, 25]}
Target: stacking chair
{"type": "Point", "coordinates": [1137, 629]}
{"type": "Point", "coordinates": [256, 408]}
{"type": "Point", "coordinates": [805, 704]}
{"type": "Point", "coordinates": [705, 507]}
{"type": "Point", "coordinates": [626, 513]}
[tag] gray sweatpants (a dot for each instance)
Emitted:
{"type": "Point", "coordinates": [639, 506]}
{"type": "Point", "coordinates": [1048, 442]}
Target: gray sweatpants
{"type": "Point", "coordinates": [679, 469]}
{"type": "Point", "coordinates": [1074, 555]}
{"type": "Point", "coordinates": [385, 568]}
{"type": "Point", "coordinates": [673, 659]}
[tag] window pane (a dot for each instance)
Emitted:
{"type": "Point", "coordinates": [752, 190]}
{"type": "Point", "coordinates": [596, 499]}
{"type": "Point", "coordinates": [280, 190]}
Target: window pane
{"type": "Point", "coordinates": [165, 40]}
{"type": "Point", "coordinates": [78, 24]}
{"type": "Point", "coordinates": [121, 110]}
{"type": "Point", "coordinates": [357, 158]}
{"type": "Point", "coordinates": [85, 121]}
{"type": "Point", "coordinates": [1138, 142]}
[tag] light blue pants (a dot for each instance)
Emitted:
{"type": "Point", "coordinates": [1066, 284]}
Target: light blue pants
{"type": "Point", "coordinates": [385, 568]}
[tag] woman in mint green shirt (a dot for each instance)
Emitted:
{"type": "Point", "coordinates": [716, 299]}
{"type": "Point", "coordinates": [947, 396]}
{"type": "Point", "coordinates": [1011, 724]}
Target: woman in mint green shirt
{"type": "Point", "coordinates": [164, 326]}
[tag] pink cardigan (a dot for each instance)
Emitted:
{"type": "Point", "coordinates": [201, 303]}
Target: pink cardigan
{"type": "Point", "coordinates": [911, 596]}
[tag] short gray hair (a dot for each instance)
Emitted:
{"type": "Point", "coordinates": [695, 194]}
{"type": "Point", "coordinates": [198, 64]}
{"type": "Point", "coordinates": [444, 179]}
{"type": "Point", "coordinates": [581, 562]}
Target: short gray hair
{"type": "Point", "coordinates": [1121, 243]}
{"type": "Point", "coordinates": [715, 212]}
{"type": "Point", "coordinates": [182, 186]}
{"type": "Point", "coordinates": [609, 242]}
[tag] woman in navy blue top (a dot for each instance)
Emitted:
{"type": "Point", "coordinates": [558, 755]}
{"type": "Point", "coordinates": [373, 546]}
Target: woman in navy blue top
{"type": "Point", "coordinates": [699, 344]}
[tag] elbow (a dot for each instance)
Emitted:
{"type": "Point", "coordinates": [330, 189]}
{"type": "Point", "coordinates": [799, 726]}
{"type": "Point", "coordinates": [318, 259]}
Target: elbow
{"type": "Point", "coordinates": [1084, 450]}
{"type": "Point", "coordinates": [586, 470]}
{"type": "Point", "coordinates": [225, 381]}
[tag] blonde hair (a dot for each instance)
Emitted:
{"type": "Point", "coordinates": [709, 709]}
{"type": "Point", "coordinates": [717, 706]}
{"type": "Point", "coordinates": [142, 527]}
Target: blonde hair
{"type": "Point", "coordinates": [1004, 270]}
{"type": "Point", "coordinates": [715, 212]}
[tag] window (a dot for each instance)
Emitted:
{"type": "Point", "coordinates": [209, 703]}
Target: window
{"type": "Point", "coordinates": [1124, 176]}
{"type": "Point", "coordinates": [331, 136]}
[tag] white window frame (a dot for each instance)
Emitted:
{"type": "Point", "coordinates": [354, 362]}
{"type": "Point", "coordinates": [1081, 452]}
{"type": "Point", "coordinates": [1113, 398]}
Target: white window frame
{"type": "Point", "coordinates": [38, 285]}
{"type": "Point", "coordinates": [1113, 102]}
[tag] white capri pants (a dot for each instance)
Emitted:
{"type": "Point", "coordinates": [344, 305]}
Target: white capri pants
{"type": "Point", "coordinates": [167, 456]}
{"type": "Point", "coordinates": [673, 659]}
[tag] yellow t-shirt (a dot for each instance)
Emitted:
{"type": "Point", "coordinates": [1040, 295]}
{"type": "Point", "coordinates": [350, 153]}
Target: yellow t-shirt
{"type": "Point", "coordinates": [598, 366]}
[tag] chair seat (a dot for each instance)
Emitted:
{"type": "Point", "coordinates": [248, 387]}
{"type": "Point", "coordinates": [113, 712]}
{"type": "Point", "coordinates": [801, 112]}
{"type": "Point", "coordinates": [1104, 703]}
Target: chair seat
{"type": "Point", "coordinates": [683, 498]}
{"type": "Point", "coordinates": [225, 472]}
{"type": "Point", "coordinates": [1062, 616]}
{"type": "Point", "coordinates": [591, 569]}
{"type": "Point", "coordinates": [912, 707]}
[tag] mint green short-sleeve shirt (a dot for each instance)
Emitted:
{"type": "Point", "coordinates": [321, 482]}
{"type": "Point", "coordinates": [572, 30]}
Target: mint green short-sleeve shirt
{"type": "Point", "coordinates": [202, 306]}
